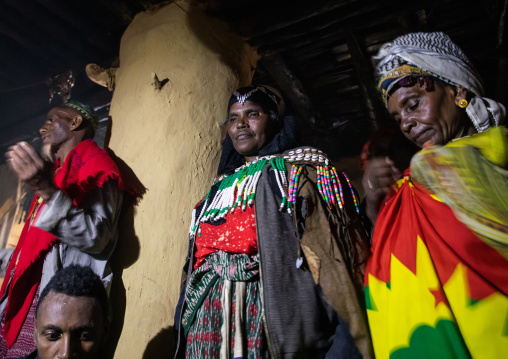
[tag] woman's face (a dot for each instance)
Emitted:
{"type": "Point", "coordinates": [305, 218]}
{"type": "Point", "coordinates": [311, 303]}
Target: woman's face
{"type": "Point", "coordinates": [250, 128]}
{"type": "Point", "coordinates": [430, 115]}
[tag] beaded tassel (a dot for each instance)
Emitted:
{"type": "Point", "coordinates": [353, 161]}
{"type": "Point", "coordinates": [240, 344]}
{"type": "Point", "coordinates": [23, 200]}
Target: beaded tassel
{"type": "Point", "coordinates": [328, 184]}
{"type": "Point", "coordinates": [293, 182]}
{"type": "Point", "coordinates": [250, 182]}
{"type": "Point", "coordinates": [282, 171]}
{"type": "Point", "coordinates": [195, 220]}
{"type": "Point", "coordinates": [280, 175]}
{"type": "Point", "coordinates": [337, 188]}
{"type": "Point", "coordinates": [320, 183]}
{"type": "Point", "coordinates": [352, 192]}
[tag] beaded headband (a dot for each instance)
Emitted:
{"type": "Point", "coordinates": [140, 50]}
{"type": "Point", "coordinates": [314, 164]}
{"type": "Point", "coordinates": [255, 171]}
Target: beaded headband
{"type": "Point", "coordinates": [243, 97]}
{"type": "Point", "coordinates": [263, 95]}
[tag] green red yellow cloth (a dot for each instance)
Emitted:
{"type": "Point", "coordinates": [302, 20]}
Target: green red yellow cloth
{"type": "Point", "coordinates": [436, 285]}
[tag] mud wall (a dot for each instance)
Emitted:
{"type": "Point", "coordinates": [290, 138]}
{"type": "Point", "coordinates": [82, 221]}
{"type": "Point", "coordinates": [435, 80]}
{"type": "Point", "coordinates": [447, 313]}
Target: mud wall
{"type": "Point", "coordinates": [170, 139]}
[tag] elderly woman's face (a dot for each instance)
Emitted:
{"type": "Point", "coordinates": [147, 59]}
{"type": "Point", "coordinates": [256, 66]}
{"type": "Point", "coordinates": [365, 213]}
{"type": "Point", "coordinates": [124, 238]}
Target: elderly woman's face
{"type": "Point", "coordinates": [250, 128]}
{"type": "Point", "coordinates": [429, 115]}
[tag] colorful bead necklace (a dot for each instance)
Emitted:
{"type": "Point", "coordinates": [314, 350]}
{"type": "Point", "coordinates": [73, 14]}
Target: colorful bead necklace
{"type": "Point", "coordinates": [239, 189]}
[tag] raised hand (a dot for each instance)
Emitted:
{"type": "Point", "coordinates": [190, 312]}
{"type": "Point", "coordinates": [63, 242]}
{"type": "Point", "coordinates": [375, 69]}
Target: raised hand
{"type": "Point", "coordinates": [31, 168]}
{"type": "Point", "coordinates": [379, 177]}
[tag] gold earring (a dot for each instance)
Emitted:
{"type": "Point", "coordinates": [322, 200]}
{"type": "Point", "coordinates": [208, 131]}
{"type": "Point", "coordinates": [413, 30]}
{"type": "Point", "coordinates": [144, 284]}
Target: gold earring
{"type": "Point", "coordinates": [463, 103]}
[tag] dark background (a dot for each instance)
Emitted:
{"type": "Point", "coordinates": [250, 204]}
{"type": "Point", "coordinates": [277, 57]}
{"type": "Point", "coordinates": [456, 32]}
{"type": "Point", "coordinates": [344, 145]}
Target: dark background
{"type": "Point", "coordinates": [317, 52]}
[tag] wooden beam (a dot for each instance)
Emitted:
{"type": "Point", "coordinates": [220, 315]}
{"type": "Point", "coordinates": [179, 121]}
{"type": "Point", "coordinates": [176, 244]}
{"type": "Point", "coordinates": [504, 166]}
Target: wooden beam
{"type": "Point", "coordinates": [302, 29]}
{"type": "Point", "coordinates": [24, 40]}
{"type": "Point", "coordinates": [362, 17]}
{"type": "Point", "coordinates": [28, 107]}
{"type": "Point", "coordinates": [291, 87]}
{"type": "Point", "coordinates": [32, 37]}
{"type": "Point", "coordinates": [38, 20]}
{"type": "Point", "coordinates": [501, 28]}
{"type": "Point", "coordinates": [414, 21]}
{"type": "Point", "coordinates": [297, 22]}
{"type": "Point", "coordinates": [365, 75]}
{"type": "Point", "coordinates": [92, 32]}
{"type": "Point", "coordinates": [14, 52]}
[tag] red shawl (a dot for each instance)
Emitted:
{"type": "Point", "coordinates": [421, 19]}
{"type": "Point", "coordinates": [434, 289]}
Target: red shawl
{"type": "Point", "coordinates": [86, 167]}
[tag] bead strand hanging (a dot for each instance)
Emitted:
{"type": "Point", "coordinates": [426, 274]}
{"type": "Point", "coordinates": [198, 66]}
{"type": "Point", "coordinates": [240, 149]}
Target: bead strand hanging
{"type": "Point", "coordinates": [279, 168]}
{"type": "Point", "coordinates": [293, 182]}
{"type": "Point", "coordinates": [352, 192]}
{"type": "Point", "coordinates": [337, 187]}
{"type": "Point", "coordinates": [328, 184]}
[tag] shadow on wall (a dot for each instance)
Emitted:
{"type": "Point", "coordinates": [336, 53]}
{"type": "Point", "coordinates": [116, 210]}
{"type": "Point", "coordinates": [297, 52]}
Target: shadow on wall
{"type": "Point", "coordinates": [160, 346]}
{"type": "Point", "coordinates": [127, 249]}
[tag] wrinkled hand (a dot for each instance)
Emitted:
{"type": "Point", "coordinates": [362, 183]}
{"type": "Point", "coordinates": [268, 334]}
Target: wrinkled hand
{"type": "Point", "coordinates": [31, 168]}
{"type": "Point", "coordinates": [378, 179]}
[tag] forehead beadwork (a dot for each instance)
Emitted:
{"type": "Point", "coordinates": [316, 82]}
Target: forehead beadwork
{"type": "Point", "coordinates": [266, 97]}
{"type": "Point", "coordinates": [243, 97]}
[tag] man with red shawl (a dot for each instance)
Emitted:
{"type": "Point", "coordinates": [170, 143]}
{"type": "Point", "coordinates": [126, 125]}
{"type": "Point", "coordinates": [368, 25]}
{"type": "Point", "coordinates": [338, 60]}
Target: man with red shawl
{"type": "Point", "coordinates": [72, 220]}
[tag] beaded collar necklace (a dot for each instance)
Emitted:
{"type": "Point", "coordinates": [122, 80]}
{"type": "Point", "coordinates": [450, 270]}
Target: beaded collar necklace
{"type": "Point", "coordinates": [239, 189]}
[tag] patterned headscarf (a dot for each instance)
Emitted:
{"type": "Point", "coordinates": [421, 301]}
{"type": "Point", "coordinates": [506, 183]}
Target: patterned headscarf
{"type": "Point", "coordinates": [85, 111]}
{"type": "Point", "coordinates": [435, 54]}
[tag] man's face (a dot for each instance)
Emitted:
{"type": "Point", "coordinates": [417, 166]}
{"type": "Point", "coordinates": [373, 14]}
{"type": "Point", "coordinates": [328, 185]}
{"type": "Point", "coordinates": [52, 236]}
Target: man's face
{"type": "Point", "coordinates": [69, 327]}
{"type": "Point", "coordinates": [57, 127]}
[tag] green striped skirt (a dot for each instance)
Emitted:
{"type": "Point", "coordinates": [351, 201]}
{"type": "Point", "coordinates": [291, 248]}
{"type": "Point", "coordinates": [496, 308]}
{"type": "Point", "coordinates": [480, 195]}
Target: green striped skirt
{"type": "Point", "coordinates": [222, 316]}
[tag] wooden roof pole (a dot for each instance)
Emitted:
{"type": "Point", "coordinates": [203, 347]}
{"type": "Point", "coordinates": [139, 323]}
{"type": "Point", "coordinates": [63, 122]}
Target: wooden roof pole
{"type": "Point", "coordinates": [291, 87]}
{"type": "Point", "coordinates": [365, 74]}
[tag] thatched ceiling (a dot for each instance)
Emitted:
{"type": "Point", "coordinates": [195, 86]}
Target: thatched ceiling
{"type": "Point", "coordinates": [317, 52]}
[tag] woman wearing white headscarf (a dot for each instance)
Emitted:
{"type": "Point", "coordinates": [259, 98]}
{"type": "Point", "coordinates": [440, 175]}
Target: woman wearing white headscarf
{"type": "Point", "coordinates": [437, 281]}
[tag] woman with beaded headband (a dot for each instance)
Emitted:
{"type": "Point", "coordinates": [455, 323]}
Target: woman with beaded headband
{"type": "Point", "coordinates": [436, 284]}
{"type": "Point", "coordinates": [276, 248]}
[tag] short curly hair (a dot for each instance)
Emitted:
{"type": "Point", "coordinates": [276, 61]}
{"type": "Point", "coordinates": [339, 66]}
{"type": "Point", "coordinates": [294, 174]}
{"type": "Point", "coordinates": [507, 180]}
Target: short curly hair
{"type": "Point", "coordinates": [76, 281]}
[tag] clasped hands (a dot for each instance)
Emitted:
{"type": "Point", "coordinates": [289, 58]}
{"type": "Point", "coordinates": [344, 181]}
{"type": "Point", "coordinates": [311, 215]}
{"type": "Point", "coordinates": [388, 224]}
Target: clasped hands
{"type": "Point", "coordinates": [32, 169]}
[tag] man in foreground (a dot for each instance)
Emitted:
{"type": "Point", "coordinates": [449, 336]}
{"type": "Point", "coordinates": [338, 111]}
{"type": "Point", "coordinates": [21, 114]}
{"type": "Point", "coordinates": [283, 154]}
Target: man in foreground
{"type": "Point", "coordinates": [72, 316]}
